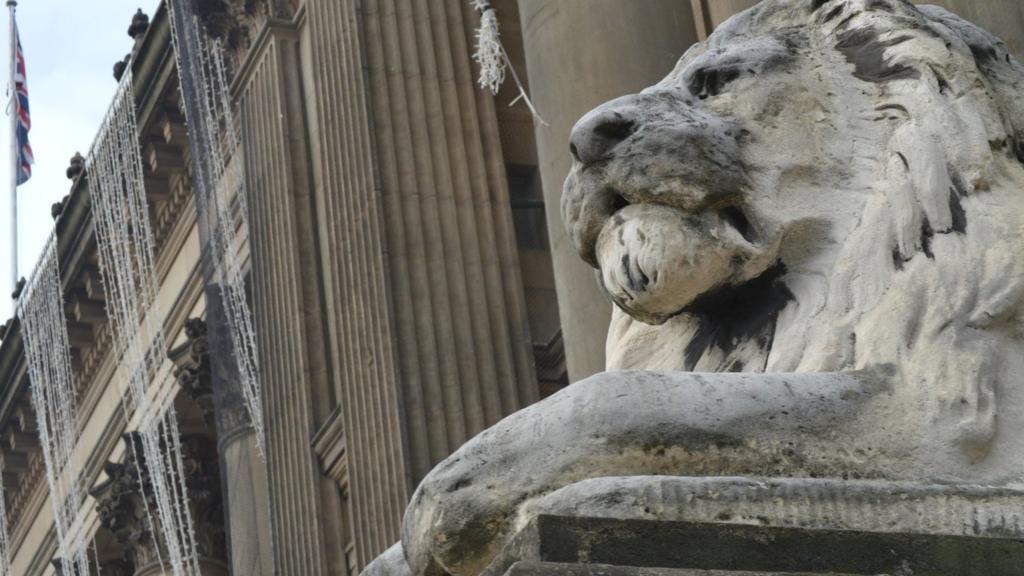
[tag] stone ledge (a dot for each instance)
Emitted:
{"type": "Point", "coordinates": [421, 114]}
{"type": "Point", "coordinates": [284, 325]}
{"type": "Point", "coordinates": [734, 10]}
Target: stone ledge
{"type": "Point", "coordinates": [633, 547]}
{"type": "Point", "coordinates": [531, 568]}
{"type": "Point", "coordinates": [826, 504]}
{"type": "Point", "coordinates": [628, 526]}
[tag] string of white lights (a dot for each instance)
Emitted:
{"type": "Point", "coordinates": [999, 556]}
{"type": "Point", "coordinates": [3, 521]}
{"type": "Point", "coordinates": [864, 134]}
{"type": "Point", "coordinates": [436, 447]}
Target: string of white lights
{"type": "Point", "coordinates": [5, 542]}
{"type": "Point", "coordinates": [40, 310]}
{"type": "Point", "coordinates": [127, 262]}
{"type": "Point", "coordinates": [220, 189]}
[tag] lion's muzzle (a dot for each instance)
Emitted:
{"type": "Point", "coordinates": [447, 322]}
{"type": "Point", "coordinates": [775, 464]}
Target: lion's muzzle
{"type": "Point", "coordinates": [655, 201]}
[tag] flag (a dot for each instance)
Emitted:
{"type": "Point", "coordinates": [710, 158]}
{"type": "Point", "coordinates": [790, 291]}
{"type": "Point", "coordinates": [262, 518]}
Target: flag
{"type": "Point", "coordinates": [25, 157]}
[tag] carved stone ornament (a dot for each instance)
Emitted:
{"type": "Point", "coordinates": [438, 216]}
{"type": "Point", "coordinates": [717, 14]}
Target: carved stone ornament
{"type": "Point", "coordinates": [76, 166]}
{"type": "Point", "coordinates": [202, 478]}
{"type": "Point", "coordinates": [116, 568]}
{"type": "Point", "coordinates": [122, 510]}
{"type": "Point", "coordinates": [192, 368]}
{"type": "Point", "coordinates": [128, 509]}
{"type": "Point", "coordinates": [813, 231]}
{"type": "Point", "coordinates": [121, 66]}
{"type": "Point", "coordinates": [224, 411]}
{"type": "Point", "coordinates": [233, 22]}
{"type": "Point", "coordinates": [139, 26]}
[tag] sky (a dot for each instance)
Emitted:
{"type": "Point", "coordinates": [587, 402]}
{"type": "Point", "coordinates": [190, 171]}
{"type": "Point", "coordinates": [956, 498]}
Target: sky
{"type": "Point", "coordinates": [70, 49]}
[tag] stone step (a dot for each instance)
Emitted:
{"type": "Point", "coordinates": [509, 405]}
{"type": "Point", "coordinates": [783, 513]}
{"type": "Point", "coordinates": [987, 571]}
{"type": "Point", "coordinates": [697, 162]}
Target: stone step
{"type": "Point", "coordinates": [638, 545]}
{"type": "Point", "coordinates": [529, 568]}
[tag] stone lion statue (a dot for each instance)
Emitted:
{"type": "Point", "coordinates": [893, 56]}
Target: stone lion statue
{"type": "Point", "coordinates": [813, 230]}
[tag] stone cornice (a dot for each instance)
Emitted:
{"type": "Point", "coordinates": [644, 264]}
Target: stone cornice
{"type": "Point", "coordinates": [271, 27]}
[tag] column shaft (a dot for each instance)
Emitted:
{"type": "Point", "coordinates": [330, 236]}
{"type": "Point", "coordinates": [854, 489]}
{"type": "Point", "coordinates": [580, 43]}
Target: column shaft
{"type": "Point", "coordinates": [356, 277]}
{"type": "Point", "coordinates": [579, 54]}
{"type": "Point", "coordinates": [286, 302]}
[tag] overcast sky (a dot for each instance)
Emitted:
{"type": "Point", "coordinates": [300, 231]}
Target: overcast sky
{"type": "Point", "coordinates": [70, 50]}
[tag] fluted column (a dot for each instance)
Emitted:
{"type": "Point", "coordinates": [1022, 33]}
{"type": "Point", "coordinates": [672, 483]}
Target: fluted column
{"type": "Point", "coordinates": [581, 53]}
{"type": "Point", "coordinates": [289, 338]}
{"type": "Point", "coordinates": [464, 352]}
{"type": "Point", "coordinates": [287, 299]}
{"type": "Point", "coordinates": [424, 299]}
{"type": "Point", "coordinates": [367, 432]}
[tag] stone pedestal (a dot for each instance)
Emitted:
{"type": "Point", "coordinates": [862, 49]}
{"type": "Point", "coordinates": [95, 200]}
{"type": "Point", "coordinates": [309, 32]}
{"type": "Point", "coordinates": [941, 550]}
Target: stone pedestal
{"type": "Point", "coordinates": [637, 43]}
{"type": "Point", "coordinates": [682, 526]}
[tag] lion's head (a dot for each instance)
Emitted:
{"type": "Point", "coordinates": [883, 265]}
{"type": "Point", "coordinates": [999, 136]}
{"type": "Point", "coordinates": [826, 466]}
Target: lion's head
{"type": "Point", "coordinates": [823, 185]}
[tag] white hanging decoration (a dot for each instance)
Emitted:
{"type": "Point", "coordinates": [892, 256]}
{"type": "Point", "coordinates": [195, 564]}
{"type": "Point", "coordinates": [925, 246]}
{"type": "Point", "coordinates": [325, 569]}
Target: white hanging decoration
{"type": "Point", "coordinates": [220, 189]}
{"type": "Point", "coordinates": [493, 58]}
{"type": "Point", "coordinates": [126, 248]}
{"type": "Point", "coordinates": [489, 51]}
{"type": "Point", "coordinates": [5, 535]}
{"type": "Point", "coordinates": [40, 310]}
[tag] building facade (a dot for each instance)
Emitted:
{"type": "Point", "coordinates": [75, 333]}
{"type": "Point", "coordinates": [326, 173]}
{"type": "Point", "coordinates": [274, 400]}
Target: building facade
{"type": "Point", "coordinates": [410, 277]}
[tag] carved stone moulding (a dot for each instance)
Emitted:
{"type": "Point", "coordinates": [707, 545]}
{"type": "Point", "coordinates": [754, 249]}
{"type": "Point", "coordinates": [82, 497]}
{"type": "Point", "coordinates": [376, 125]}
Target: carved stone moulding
{"type": "Point", "coordinates": [769, 526]}
{"type": "Point", "coordinates": [192, 367]}
{"type": "Point", "coordinates": [233, 22]}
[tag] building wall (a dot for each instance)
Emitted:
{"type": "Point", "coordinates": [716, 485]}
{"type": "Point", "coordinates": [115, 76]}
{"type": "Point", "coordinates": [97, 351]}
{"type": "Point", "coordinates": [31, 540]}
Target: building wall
{"type": "Point", "coordinates": [385, 262]}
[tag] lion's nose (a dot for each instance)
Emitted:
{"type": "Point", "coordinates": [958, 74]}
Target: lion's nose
{"type": "Point", "coordinates": [600, 131]}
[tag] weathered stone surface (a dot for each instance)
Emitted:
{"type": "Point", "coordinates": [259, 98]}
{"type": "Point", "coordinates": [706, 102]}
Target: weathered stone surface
{"type": "Point", "coordinates": [671, 423]}
{"type": "Point", "coordinates": [390, 563]}
{"type": "Point", "coordinates": [822, 504]}
{"type": "Point", "coordinates": [826, 196]}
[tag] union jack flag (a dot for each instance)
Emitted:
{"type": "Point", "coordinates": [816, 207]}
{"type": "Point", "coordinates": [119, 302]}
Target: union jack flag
{"type": "Point", "coordinates": [26, 159]}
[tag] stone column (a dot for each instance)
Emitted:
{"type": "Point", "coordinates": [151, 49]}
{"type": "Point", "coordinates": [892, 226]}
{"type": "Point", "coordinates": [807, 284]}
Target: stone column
{"type": "Point", "coordinates": [1004, 18]}
{"type": "Point", "coordinates": [287, 302]}
{"type": "Point", "coordinates": [423, 297]}
{"type": "Point", "coordinates": [581, 53]}
{"type": "Point", "coordinates": [211, 381]}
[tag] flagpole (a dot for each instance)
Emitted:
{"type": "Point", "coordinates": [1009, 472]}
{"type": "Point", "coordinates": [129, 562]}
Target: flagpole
{"type": "Point", "coordinates": [15, 162]}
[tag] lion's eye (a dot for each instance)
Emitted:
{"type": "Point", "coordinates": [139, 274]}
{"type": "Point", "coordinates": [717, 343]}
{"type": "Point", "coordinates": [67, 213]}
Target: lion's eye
{"type": "Point", "coordinates": [711, 81]}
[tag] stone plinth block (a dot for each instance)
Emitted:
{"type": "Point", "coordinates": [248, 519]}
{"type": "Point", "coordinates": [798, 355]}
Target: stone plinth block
{"type": "Point", "coordinates": [532, 568]}
{"type": "Point", "coordinates": [672, 525]}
